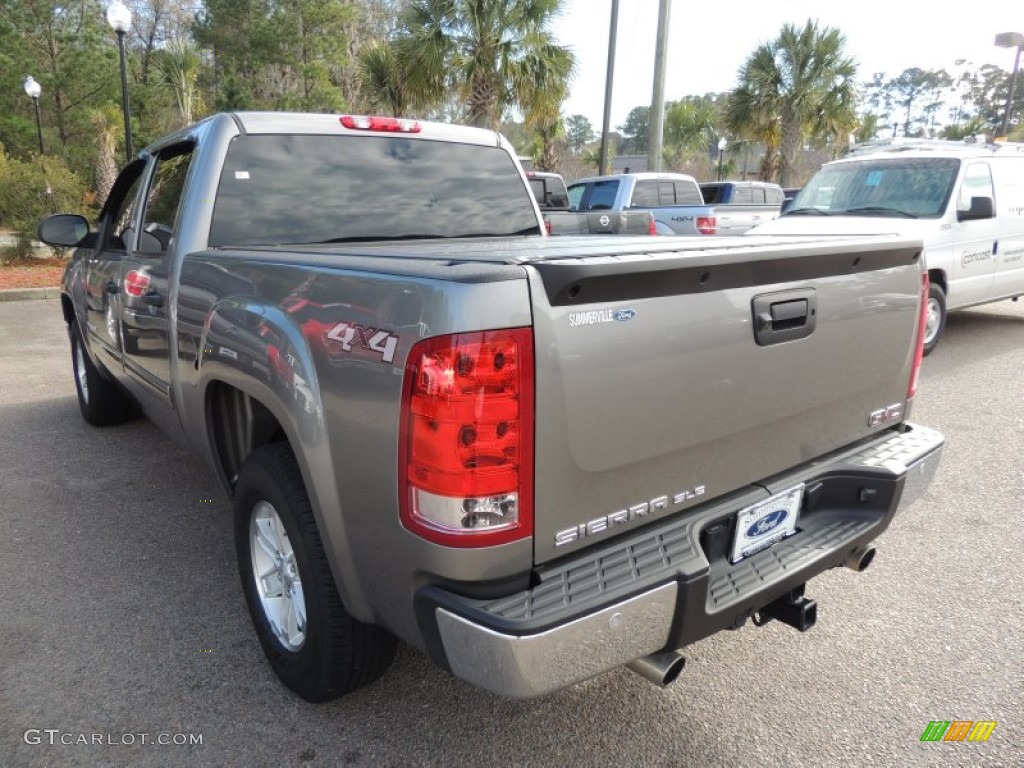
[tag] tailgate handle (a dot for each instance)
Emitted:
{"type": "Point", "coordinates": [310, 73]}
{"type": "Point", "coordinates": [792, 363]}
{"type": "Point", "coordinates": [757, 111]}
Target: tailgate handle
{"type": "Point", "coordinates": [784, 316]}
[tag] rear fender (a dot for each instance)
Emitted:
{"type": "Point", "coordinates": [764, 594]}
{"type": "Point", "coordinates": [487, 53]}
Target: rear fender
{"type": "Point", "coordinates": [257, 349]}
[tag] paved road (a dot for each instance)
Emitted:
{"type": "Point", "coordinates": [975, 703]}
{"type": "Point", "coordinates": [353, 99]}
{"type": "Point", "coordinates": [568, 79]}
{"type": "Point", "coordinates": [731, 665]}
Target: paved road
{"type": "Point", "coordinates": [120, 614]}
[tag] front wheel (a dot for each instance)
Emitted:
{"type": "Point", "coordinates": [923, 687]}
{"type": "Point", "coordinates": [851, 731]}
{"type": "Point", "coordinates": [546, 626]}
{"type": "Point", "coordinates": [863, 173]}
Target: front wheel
{"type": "Point", "coordinates": [935, 319]}
{"type": "Point", "coordinates": [99, 399]}
{"type": "Point", "coordinates": [314, 646]}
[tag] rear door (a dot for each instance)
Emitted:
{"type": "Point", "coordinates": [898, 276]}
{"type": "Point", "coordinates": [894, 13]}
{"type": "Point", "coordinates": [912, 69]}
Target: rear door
{"type": "Point", "coordinates": [658, 388]}
{"type": "Point", "coordinates": [145, 274]}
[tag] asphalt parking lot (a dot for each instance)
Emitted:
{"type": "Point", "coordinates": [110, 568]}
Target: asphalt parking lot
{"type": "Point", "coordinates": [121, 614]}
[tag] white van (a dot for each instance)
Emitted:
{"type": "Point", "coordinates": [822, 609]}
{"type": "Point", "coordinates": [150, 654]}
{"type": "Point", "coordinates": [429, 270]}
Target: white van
{"type": "Point", "coordinates": [965, 200]}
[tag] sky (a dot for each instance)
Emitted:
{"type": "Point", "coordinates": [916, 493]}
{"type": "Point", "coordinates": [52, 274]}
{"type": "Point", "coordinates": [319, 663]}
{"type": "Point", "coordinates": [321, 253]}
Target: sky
{"type": "Point", "coordinates": [708, 42]}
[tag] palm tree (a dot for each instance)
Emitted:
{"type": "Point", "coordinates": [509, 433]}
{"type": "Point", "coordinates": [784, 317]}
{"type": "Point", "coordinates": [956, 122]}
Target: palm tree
{"type": "Point", "coordinates": [494, 53]}
{"type": "Point", "coordinates": [799, 86]}
{"type": "Point", "coordinates": [689, 128]}
{"type": "Point", "coordinates": [181, 66]}
{"type": "Point", "coordinates": [382, 80]}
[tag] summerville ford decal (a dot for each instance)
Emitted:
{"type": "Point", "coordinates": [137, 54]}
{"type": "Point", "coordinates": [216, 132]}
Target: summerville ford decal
{"type": "Point", "coordinates": [596, 316]}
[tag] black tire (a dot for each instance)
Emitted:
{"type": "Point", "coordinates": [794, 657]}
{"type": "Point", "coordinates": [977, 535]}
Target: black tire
{"type": "Point", "coordinates": [937, 305]}
{"type": "Point", "coordinates": [337, 654]}
{"type": "Point", "coordinates": [100, 400]}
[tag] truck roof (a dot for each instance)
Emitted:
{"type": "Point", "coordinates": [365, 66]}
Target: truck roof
{"type": "Point", "coordinates": [975, 146]}
{"type": "Point", "coordinates": [311, 123]}
{"type": "Point", "coordinates": [637, 176]}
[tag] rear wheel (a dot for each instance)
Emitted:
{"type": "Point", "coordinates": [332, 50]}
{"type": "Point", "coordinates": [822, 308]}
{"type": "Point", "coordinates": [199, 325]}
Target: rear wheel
{"type": "Point", "coordinates": [935, 319]}
{"type": "Point", "coordinates": [99, 399]}
{"type": "Point", "coordinates": [314, 646]}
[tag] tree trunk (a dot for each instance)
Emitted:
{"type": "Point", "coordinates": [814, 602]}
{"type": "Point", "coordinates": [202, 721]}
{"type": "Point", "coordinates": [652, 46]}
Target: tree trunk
{"type": "Point", "coordinates": [791, 140]}
{"type": "Point", "coordinates": [483, 102]}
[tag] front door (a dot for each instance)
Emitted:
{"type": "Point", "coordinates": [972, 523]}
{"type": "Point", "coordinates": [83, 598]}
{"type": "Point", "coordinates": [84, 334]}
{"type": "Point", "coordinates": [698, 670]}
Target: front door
{"type": "Point", "coordinates": [103, 266]}
{"type": "Point", "coordinates": [974, 241]}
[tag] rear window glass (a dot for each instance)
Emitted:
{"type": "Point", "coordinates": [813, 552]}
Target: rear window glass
{"type": "Point", "coordinates": [313, 189]}
{"type": "Point", "coordinates": [602, 196]}
{"type": "Point", "coordinates": [688, 193]}
{"type": "Point", "coordinates": [645, 194]}
{"type": "Point", "coordinates": [711, 192]}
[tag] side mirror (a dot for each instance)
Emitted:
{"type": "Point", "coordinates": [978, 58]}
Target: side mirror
{"type": "Point", "coordinates": [64, 230]}
{"type": "Point", "coordinates": [981, 208]}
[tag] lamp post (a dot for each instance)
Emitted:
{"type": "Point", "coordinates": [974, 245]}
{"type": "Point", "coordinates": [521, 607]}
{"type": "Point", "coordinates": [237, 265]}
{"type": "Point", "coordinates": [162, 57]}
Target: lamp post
{"type": "Point", "coordinates": [1010, 40]}
{"type": "Point", "coordinates": [722, 143]}
{"type": "Point", "coordinates": [33, 89]}
{"type": "Point", "coordinates": [120, 20]}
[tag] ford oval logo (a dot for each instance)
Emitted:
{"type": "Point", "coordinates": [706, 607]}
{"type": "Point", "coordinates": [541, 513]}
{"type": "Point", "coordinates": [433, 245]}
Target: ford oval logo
{"type": "Point", "coordinates": [622, 315]}
{"type": "Point", "coordinates": [767, 524]}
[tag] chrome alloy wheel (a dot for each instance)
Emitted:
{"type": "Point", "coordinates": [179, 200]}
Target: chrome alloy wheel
{"type": "Point", "coordinates": [83, 382]}
{"type": "Point", "coordinates": [277, 576]}
{"type": "Point", "coordinates": [932, 320]}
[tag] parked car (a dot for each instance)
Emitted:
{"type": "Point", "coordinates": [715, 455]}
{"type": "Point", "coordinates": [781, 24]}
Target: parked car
{"type": "Point", "coordinates": [560, 219]}
{"type": "Point", "coordinates": [964, 199]}
{"type": "Point", "coordinates": [675, 200]}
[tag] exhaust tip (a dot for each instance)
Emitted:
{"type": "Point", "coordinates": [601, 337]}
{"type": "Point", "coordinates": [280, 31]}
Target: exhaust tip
{"type": "Point", "coordinates": [860, 558]}
{"type": "Point", "coordinates": [659, 668]}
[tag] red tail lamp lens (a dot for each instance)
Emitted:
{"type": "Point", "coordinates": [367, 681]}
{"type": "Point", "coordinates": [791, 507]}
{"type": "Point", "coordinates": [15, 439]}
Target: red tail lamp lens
{"type": "Point", "coordinates": [466, 477]}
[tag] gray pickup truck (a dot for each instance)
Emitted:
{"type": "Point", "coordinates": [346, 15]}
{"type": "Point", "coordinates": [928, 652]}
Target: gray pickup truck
{"type": "Point", "coordinates": [742, 205]}
{"type": "Point", "coordinates": [675, 200]}
{"type": "Point", "coordinates": [533, 458]}
{"type": "Point", "coordinates": [552, 198]}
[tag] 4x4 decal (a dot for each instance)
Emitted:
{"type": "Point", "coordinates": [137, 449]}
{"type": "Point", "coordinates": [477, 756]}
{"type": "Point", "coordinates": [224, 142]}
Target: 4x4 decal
{"type": "Point", "coordinates": [373, 339]}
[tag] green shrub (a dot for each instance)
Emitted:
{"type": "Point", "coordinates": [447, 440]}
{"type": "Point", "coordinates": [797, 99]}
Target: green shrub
{"type": "Point", "coordinates": [32, 189]}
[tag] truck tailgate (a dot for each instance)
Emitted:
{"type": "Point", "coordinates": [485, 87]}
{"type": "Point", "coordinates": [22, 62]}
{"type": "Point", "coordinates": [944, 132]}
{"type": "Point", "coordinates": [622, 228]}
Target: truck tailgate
{"type": "Point", "coordinates": [667, 379]}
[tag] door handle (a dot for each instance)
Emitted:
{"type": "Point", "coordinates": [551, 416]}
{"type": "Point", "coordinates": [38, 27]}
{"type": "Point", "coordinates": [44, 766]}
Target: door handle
{"type": "Point", "coordinates": [112, 288]}
{"type": "Point", "coordinates": [784, 316]}
{"type": "Point", "coordinates": [153, 299]}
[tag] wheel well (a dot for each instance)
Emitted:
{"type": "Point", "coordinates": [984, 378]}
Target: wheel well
{"type": "Point", "coordinates": [67, 308]}
{"type": "Point", "coordinates": [938, 277]}
{"type": "Point", "coordinates": [238, 424]}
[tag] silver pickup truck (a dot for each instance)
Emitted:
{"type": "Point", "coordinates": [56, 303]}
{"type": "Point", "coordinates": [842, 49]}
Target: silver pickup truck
{"type": "Point", "coordinates": [674, 200]}
{"type": "Point", "coordinates": [533, 458]}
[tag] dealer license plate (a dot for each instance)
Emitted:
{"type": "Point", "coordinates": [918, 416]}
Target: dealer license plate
{"type": "Point", "coordinates": [766, 523]}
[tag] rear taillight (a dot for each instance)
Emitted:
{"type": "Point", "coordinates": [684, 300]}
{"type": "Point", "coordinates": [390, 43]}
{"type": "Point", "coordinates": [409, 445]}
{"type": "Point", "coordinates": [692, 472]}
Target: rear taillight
{"type": "Point", "coordinates": [922, 324]}
{"type": "Point", "coordinates": [383, 124]}
{"type": "Point", "coordinates": [652, 227]}
{"type": "Point", "coordinates": [547, 226]}
{"type": "Point", "coordinates": [466, 465]}
{"type": "Point", "coordinates": [706, 225]}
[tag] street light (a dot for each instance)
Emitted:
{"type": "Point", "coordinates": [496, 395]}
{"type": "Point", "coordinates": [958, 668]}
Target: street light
{"type": "Point", "coordinates": [33, 89]}
{"type": "Point", "coordinates": [1010, 40]}
{"type": "Point", "coordinates": [120, 20]}
{"type": "Point", "coordinates": [721, 153]}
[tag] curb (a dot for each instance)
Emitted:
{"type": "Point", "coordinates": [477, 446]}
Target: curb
{"type": "Point", "coordinates": [21, 294]}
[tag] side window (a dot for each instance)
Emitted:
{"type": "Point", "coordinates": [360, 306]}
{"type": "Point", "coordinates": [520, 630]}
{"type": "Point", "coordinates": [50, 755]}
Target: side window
{"type": "Point", "coordinates": [977, 183]}
{"type": "Point", "coordinates": [688, 193]}
{"type": "Point", "coordinates": [116, 216]}
{"type": "Point", "coordinates": [575, 195]}
{"type": "Point", "coordinates": [163, 202]}
{"type": "Point", "coordinates": [121, 225]}
{"type": "Point", "coordinates": [774, 196]}
{"type": "Point", "coordinates": [645, 194]}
